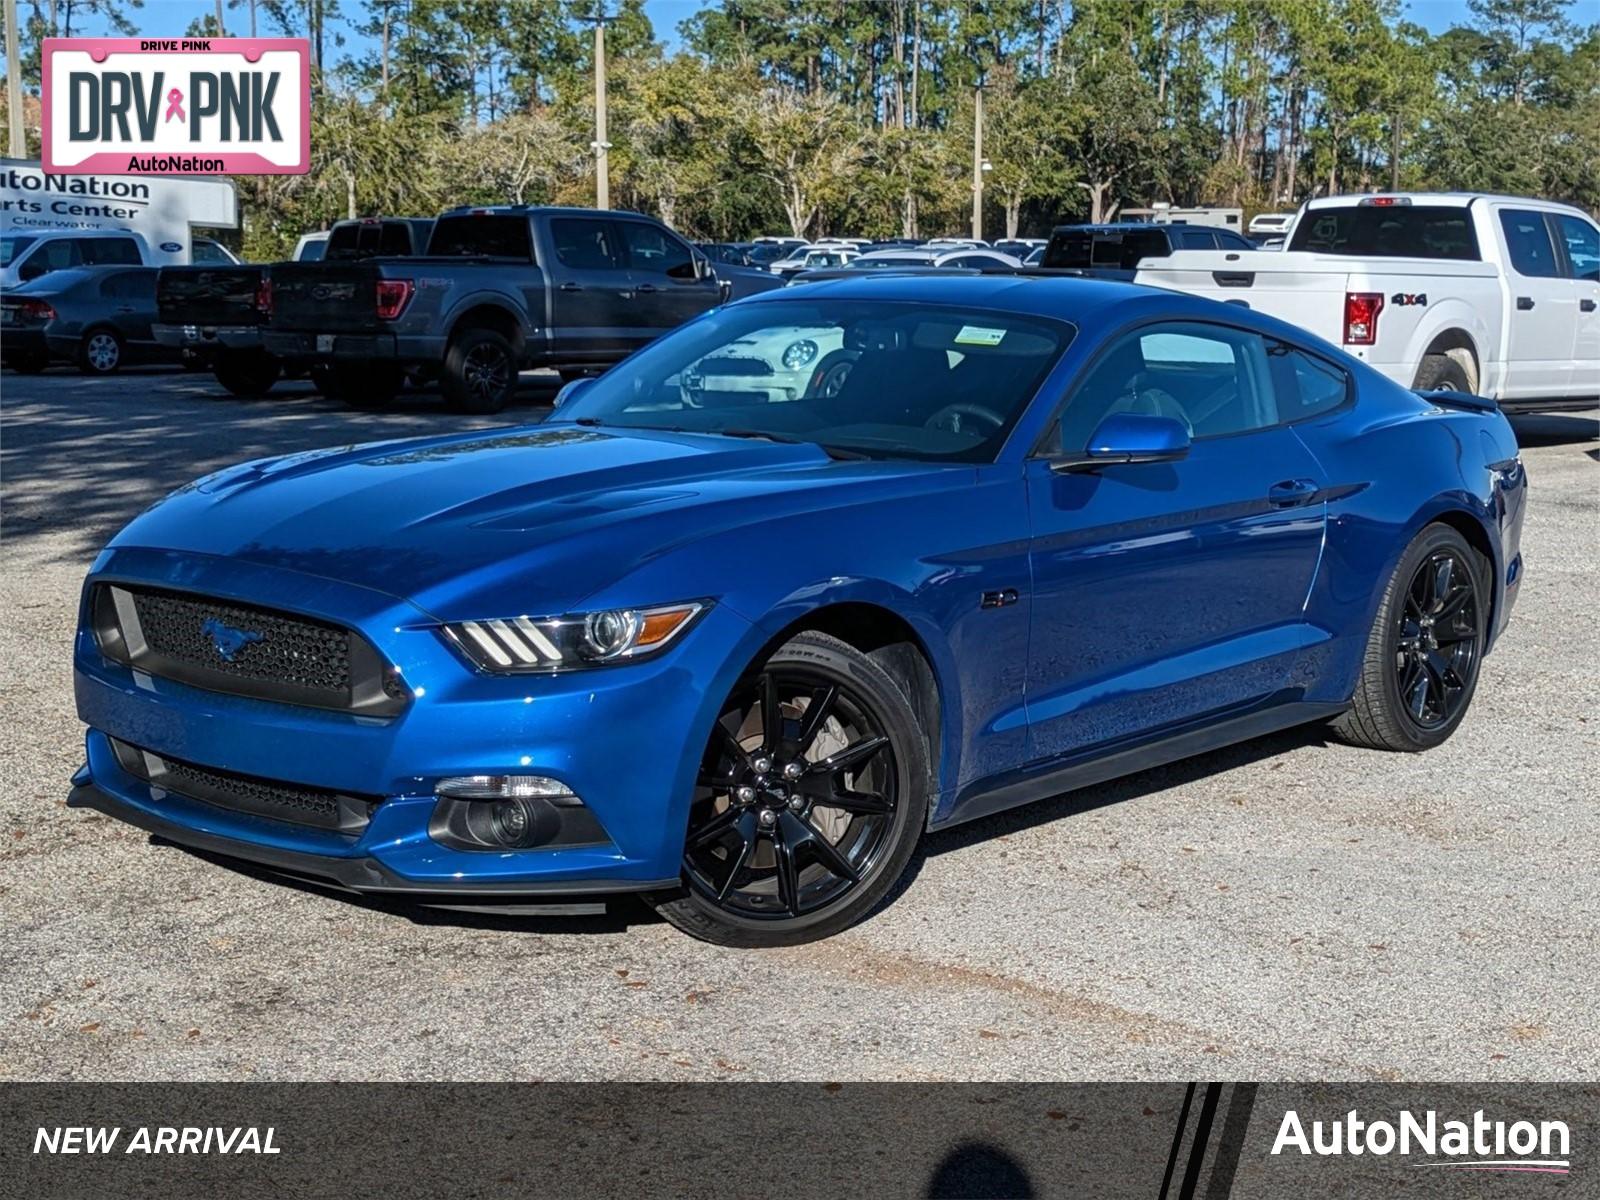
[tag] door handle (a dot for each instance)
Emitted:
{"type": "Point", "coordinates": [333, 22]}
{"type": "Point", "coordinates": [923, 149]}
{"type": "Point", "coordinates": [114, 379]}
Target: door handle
{"type": "Point", "coordinates": [1586, 305]}
{"type": "Point", "coordinates": [1524, 303]}
{"type": "Point", "coordinates": [569, 286]}
{"type": "Point", "coordinates": [646, 287]}
{"type": "Point", "coordinates": [1290, 492]}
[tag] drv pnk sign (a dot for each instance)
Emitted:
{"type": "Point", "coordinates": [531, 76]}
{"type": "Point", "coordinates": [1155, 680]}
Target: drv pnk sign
{"type": "Point", "coordinates": [177, 106]}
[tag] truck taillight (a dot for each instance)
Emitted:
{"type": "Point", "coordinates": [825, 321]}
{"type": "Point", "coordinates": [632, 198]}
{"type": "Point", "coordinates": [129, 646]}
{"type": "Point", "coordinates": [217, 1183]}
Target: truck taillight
{"type": "Point", "coordinates": [264, 297]}
{"type": "Point", "coordinates": [1361, 311]}
{"type": "Point", "coordinates": [393, 296]}
{"type": "Point", "coordinates": [38, 310]}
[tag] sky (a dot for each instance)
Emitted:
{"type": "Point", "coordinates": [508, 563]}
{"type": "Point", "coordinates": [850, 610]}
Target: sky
{"type": "Point", "coordinates": [166, 18]}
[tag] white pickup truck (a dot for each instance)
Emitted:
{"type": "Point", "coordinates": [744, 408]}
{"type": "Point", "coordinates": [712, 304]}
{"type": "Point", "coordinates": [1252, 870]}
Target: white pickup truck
{"type": "Point", "coordinates": [1487, 294]}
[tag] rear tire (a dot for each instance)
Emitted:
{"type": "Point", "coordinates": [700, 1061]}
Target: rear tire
{"type": "Point", "coordinates": [480, 372]}
{"type": "Point", "coordinates": [247, 373]}
{"type": "Point", "coordinates": [100, 352]}
{"type": "Point", "coordinates": [1424, 651]}
{"type": "Point", "coordinates": [1442, 373]}
{"type": "Point", "coordinates": [809, 841]}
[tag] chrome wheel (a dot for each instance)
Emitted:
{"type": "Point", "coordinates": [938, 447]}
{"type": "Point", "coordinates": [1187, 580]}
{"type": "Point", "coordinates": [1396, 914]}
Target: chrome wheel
{"type": "Point", "coordinates": [796, 799]}
{"type": "Point", "coordinates": [1436, 639]}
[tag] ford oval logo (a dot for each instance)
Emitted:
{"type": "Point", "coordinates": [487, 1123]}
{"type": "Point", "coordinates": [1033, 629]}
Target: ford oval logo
{"type": "Point", "coordinates": [172, 247]}
{"type": "Point", "coordinates": [228, 640]}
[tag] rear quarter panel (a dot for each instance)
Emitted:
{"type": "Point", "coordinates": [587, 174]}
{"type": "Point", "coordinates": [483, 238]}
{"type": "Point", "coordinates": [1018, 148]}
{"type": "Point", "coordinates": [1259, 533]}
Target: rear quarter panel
{"type": "Point", "coordinates": [1393, 464]}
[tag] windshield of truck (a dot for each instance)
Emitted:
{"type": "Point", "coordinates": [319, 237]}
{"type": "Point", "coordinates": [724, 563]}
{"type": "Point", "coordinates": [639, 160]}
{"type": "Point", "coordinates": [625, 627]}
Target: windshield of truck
{"type": "Point", "coordinates": [1389, 231]}
{"type": "Point", "coordinates": [1122, 250]}
{"type": "Point", "coordinates": [860, 378]}
{"type": "Point", "coordinates": [482, 235]}
{"type": "Point", "coordinates": [11, 248]}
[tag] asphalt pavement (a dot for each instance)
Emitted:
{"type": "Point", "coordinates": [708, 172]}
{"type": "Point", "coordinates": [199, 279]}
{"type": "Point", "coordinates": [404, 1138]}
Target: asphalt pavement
{"type": "Point", "coordinates": [1287, 909]}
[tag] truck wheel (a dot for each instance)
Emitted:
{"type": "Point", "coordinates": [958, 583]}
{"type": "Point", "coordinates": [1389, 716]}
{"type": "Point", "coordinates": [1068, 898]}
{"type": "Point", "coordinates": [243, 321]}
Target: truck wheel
{"type": "Point", "coordinates": [247, 373]}
{"type": "Point", "coordinates": [100, 352]}
{"type": "Point", "coordinates": [368, 385]}
{"type": "Point", "coordinates": [1442, 373]}
{"type": "Point", "coordinates": [480, 372]}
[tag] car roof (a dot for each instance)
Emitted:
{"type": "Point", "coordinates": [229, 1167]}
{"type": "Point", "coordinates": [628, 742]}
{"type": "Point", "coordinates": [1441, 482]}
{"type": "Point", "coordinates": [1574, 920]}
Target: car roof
{"type": "Point", "coordinates": [1122, 226]}
{"type": "Point", "coordinates": [1446, 199]}
{"type": "Point", "coordinates": [89, 233]}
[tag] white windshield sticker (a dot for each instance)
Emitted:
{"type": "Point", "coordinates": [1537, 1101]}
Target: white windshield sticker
{"type": "Point", "coordinates": [977, 335]}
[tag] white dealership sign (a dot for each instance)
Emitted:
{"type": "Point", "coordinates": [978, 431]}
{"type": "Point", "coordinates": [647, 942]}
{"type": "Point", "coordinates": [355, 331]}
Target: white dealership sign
{"type": "Point", "coordinates": [163, 210]}
{"type": "Point", "coordinates": [164, 106]}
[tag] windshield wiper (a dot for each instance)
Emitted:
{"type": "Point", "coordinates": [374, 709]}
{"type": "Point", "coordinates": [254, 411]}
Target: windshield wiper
{"type": "Point", "coordinates": [834, 452]}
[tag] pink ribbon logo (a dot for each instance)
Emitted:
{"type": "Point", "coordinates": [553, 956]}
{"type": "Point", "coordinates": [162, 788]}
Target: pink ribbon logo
{"type": "Point", "coordinates": [175, 106]}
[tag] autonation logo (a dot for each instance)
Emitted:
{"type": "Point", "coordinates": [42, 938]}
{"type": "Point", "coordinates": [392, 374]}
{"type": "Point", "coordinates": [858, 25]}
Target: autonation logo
{"type": "Point", "coordinates": [1479, 1145]}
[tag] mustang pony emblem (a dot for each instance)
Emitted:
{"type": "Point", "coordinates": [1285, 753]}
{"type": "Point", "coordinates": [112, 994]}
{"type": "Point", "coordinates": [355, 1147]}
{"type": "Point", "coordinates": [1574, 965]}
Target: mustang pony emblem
{"type": "Point", "coordinates": [228, 640]}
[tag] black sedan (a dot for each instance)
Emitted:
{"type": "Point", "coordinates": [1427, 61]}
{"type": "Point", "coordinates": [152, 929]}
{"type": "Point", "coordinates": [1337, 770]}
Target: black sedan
{"type": "Point", "coordinates": [97, 318]}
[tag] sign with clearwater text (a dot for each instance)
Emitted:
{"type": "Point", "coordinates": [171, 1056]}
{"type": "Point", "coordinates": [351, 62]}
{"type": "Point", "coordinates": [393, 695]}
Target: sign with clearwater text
{"type": "Point", "coordinates": [177, 106]}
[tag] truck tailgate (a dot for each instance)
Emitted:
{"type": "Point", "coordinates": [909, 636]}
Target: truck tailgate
{"type": "Point", "coordinates": [1306, 289]}
{"type": "Point", "coordinates": [326, 297]}
{"type": "Point", "coordinates": [209, 296]}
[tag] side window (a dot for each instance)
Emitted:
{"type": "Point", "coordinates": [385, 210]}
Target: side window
{"type": "Point", "coordinates": [110, 252]}
{"type": "Point", "coordinates": [1213, 379]}
{"type": "Point", "coordinates": [1197, 239]}
{"type": "Point", "coordinates": [1528, 244]}
{"type": "Point", "coordinates": [1583, 247]}
{"type": "Point", "coordinates": [1306, 386]}
{"type": "Point", "coordinates": [654, 250]}
{"type": "Point", "coordinates": [59, 253]}
{"type": "Point", "coordinates": [1233, 241]}
{"type": "Point", "coordinates": [585, 244]}
{"type": "Point", "coordinates": [208, 253]}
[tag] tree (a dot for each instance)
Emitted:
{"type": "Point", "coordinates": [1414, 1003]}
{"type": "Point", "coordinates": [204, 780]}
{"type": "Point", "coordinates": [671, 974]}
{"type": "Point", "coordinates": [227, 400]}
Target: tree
{"type": "Point", "coordinates": [806, 145]}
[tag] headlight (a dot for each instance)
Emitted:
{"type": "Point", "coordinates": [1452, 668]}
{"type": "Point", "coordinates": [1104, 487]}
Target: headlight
{"type": "Point", "coordinates": [799, 354]}
{"type": "Point", "coordinates": [564, 643]}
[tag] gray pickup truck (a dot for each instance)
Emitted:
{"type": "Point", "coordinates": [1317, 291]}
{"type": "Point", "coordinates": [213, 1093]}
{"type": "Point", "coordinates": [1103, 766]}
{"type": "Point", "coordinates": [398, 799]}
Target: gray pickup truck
{"type": "Point", "coordinates": [214, 315]}
{"type": "Point", "coordinates": [500, 290]}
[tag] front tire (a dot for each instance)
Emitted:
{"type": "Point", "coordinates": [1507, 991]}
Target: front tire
{"type": "Point", "coordinates": [480, 372]}
{"type": "Point", "coordinates": [811, 798]}
{"type": "Point", "coordinates": [1425, 649]}
{"type": "Point", "coordinates": [100, 352]}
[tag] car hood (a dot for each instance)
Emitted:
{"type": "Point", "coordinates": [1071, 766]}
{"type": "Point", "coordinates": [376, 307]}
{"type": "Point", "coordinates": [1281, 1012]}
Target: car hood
{"type": "Point", "coordinates": [539, 517]}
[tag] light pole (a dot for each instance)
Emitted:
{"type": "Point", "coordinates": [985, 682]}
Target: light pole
{"type": "Point", "coordinates": [602, 180]}
{"type": "Point", "coordinates": [18, 146]}
{"type": "Point", "coordinates": [977, 160]}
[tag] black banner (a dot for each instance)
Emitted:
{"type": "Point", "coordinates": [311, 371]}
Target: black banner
{"type": "Point", "coordinates": [1153, 1141]}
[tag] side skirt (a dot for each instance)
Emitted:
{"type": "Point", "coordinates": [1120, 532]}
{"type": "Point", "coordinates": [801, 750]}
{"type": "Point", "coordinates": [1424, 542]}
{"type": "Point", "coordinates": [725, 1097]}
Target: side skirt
{"type": "Point", "coordinates": [1041, 781]}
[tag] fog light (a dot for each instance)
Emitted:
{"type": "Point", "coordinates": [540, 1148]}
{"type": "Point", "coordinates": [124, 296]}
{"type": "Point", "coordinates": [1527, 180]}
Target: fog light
{"type": "Point", "coordinates": [513, 823]}
{"type": "Point", "coordinates": [502, 787]}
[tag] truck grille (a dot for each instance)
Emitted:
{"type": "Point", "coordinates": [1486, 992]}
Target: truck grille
{"type": "Point", "coordinates": [244, 650]}
{"type": "Point", "coordinates": [271, 799]}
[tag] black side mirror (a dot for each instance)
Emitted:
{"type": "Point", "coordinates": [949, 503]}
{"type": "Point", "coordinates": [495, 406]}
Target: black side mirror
{"type": "Point", "coordinates": [1129, 438]}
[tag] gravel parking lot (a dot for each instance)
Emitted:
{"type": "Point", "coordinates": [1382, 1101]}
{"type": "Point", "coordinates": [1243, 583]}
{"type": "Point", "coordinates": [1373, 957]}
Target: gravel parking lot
{"type": "Point", "coordinates": [1287, 908]}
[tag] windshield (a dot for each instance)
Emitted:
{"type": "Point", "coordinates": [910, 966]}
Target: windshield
{"type": "Point", "coordinates": [878, 379]}
{"type": "Point", "coordinates": [767, 252]}
{"type": "Point", "coordinates": [11, 248]}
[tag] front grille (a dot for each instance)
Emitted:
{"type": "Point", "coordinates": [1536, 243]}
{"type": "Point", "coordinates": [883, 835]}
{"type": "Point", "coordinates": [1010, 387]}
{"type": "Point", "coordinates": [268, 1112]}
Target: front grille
{"type": "Point", "coordinates": [244, 649]}
{"type": "Point", "coordinates": [250, 643]}
{"type": "Point", "coordinates": [292, 803]}
{"type": "Point", "coordinates": [731, 365]}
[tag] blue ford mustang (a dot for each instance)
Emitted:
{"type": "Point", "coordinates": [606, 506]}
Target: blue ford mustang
{"type": "Point", "coordinates": [816, 572]}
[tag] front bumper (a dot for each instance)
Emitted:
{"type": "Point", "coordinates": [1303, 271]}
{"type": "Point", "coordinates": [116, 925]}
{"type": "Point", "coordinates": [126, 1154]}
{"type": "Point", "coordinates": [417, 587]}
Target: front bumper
{"type": "Point", "coordinates": [366, 875]}
{"type": "Point", "coordinates": [626, 740]}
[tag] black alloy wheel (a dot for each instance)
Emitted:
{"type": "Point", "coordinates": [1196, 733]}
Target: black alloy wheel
{"type": "Point", "coordinates": [1436, 642]}
{"type": "Point", "coordinates": [810, 798]}
{"type": "Point", "coordinates": [480, 374]}
{"type": "Point", "coordinates": [1424, 651]}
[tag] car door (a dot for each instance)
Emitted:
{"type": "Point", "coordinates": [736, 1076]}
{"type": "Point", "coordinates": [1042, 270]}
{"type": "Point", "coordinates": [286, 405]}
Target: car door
{"type": "Point", "coordinates": [668, 287]}
{"type": "Point", "coordinates": [591, 293]}
{"type": "Point", "coordinates": [1542, 309]}
{"type": "Point", "coordinates": [1164, 593]}
{"type": "Point", "coordinates": [1581, 241]}
{"type": "Point", "coordinates": [131, 299]}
